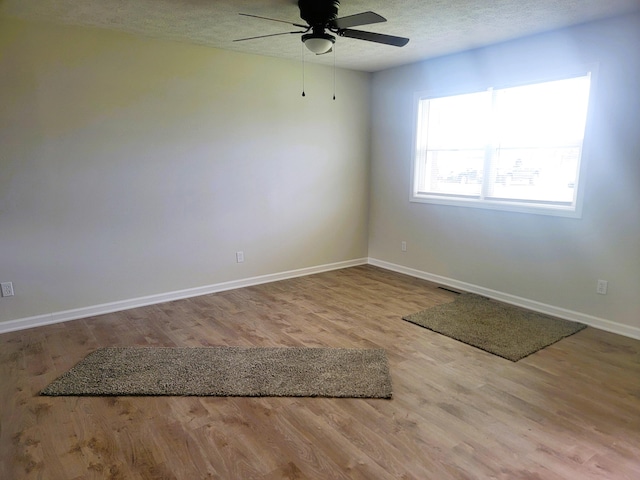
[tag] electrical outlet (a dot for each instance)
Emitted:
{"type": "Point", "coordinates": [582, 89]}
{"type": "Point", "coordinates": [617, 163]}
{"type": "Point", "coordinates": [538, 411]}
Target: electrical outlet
{"type": "Point", "coordinates": [403, 245]}
{"type": "Point", "coordinates": [239, 257]}
{"type": "Point", "coordinates": [602, 287]}
{"type": "Point", "coordinates": [7, 289]}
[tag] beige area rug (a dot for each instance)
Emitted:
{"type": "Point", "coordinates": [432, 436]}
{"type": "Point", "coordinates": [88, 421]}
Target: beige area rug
{"type": "Point", "coordinates": [504, 330]}
{"type": "Point", "coordinates": [229, 371]}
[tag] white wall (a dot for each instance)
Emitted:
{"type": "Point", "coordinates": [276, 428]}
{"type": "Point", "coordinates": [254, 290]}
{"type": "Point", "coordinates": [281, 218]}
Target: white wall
{"type": "Point", "coordinates": [551, 260]}
{"type": "Point", "coordinates": [133, 167]}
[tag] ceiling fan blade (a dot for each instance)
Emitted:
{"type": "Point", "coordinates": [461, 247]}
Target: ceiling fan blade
{"type": "Point", "coordinates": [365, 18]}
{"type": "Point", "coordinates": [264, 36]}
{"type": "Point", "coordinates": [374, 37]}
{"type": "Point", "coordinates": [274, 20]}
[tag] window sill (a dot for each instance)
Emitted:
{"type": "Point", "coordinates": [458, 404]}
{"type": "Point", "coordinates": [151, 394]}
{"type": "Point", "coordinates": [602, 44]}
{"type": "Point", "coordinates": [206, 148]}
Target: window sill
{"type": "Point", "coordinates": [533, 208]}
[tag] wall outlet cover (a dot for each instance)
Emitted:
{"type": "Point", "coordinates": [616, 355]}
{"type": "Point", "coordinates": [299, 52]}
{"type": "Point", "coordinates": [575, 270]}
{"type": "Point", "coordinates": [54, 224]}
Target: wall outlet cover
{"type": "Point", "coordinates": [7, 289]}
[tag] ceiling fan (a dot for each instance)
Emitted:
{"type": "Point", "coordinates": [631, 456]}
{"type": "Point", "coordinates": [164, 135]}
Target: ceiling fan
{"type": "Point", "coordinates": [322, 17]}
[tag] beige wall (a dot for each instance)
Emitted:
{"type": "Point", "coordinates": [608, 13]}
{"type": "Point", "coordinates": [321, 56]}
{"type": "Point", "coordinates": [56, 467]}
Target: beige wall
{"type": "Point", "coordinates": [132, 167]}
{"type": "Point", "coordinates": [551, 260]}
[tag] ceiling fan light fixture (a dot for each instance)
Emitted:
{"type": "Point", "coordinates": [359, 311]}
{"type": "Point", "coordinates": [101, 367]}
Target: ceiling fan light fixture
{"type": "Point", "coordinates": [318, 43]}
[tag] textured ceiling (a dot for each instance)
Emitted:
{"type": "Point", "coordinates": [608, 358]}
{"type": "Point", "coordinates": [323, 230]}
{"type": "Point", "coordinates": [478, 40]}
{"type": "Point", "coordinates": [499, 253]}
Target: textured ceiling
{"type": "Point", "coordinates": [435, 27]}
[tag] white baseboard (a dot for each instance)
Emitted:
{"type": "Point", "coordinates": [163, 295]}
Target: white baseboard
{"type": "Point", "coordinates": [64, 316]}
{"type": "Point", "coordinates": [84, 312]}
{"type": "Point", "coordinates": [601, 323]}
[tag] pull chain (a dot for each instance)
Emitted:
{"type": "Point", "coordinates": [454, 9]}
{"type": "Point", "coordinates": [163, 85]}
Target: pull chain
{"type": "Point", "coordinates": [303, 94]}
{"type": "Point", "coordinates": [334, 71]}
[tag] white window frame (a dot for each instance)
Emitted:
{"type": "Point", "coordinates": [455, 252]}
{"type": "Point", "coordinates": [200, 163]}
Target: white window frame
{"type": "Point", "coordinates": [531, 207]}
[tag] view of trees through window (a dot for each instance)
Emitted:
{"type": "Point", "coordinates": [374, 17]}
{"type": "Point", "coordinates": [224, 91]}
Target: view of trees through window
{"type": "Point", "coordinates": [519, 145]}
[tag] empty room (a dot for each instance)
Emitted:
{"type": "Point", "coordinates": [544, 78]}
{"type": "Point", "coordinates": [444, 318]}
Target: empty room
{"type": "Point", "coordinates": [357, 239]}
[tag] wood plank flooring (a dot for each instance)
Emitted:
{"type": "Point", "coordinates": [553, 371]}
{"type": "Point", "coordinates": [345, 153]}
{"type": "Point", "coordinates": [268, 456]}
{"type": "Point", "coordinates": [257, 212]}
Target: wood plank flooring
{"type": "Point", "coordinates": [570, 411]}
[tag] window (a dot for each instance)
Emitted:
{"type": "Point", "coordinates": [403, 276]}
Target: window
{"type": "Point", "coordinates": [515, 148]}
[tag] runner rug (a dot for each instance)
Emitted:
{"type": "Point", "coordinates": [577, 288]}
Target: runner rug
{"type": "Point", "coordinates": [228, 371]}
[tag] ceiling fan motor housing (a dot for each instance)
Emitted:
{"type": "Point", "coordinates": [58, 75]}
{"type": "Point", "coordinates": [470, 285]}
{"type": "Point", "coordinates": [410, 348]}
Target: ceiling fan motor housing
{"type": "Point", "coordinates": [317, 13]}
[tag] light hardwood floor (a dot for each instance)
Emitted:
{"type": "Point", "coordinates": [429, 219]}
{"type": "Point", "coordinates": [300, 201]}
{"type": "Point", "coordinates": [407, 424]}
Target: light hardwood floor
{"type": "Point", "coordinates": [570, 411]}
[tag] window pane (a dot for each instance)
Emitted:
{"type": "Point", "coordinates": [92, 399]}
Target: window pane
{"type": "Point", "coordinates": [542, 174]}
{"type": "Point", "coordinates": [542, 115]}
{"type": "Point", "coordinates": [458, 122]}
{"type": "Point", "coordinates": [452, 140]}
{"type": "Point", "coordinates": [538, 136]}
{"type": "Point", "coordinates": [453, 172]}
